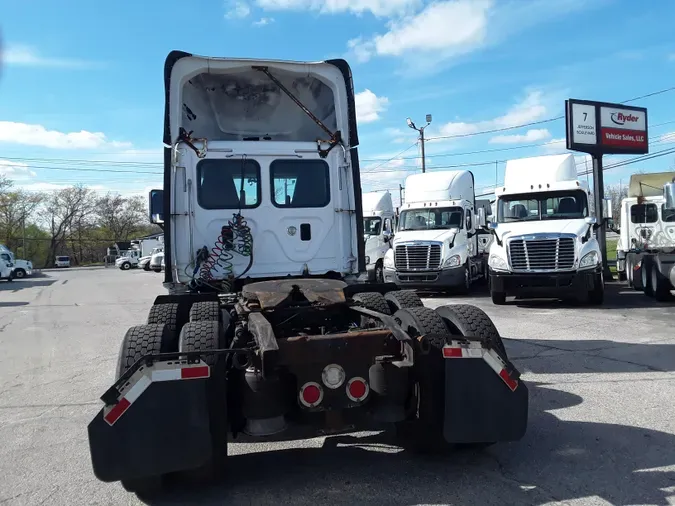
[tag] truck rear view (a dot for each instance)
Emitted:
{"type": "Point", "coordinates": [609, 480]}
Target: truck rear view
{"type": "Point", "coordinates": [267, 332]}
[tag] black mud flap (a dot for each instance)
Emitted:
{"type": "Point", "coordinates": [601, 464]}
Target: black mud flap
{"type": "Point", "coordinates": [479, 406]}
{"type": "Point", "coordinates": [164, 430]}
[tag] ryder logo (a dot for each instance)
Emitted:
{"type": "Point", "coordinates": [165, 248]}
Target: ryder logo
{"type": "Point", "coordinates": [620, 118]}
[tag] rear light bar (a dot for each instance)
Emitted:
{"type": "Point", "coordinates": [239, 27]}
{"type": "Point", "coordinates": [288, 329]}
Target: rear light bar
{"type": "Point", "coordinates": [472, 349]}
{"type": "Point", "coordinates": [147, 374]}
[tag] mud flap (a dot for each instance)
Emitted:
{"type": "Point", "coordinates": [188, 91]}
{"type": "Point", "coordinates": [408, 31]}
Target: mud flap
{"type": "Point", "coordinates": [165, 429]}
{"type": "Point", "coordinates": [481, 406]}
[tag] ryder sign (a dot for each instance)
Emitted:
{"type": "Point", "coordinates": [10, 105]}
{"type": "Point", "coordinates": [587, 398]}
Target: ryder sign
{"type": "Point", "coordinates": [601, 128]}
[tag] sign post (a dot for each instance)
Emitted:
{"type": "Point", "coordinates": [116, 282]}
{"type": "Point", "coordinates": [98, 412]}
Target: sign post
{"type": "Point", "coordinates": [601, 128]}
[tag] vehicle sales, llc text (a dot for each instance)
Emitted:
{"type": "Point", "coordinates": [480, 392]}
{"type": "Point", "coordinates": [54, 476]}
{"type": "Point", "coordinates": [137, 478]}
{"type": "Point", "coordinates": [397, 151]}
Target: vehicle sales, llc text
{"type": "Point", "coordinates": [625, 137]}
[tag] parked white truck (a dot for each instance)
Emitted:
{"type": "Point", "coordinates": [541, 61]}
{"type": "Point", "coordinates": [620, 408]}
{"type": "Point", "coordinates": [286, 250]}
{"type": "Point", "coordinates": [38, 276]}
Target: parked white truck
{"type": "Point", "coordinates": [20, 268]}
{"type": "Point", "coordinates": [140, 250]}
{"type": "Point", "coordinates": [544, 243]}
{"type": "Point", "coordinates": [436, 242]}
{"type": "Point", "coordinates": [646, 247]}
{"type": "Point", "coordinates": [379, 219]}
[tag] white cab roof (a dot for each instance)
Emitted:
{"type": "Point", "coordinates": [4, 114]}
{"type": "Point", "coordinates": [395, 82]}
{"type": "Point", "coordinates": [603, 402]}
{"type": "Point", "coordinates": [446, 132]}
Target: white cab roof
{"type": "Point", "coordinates": [439, 186]}
{"type": "Point", "coordinates": [539, 173]}
{"type": "Point", "coordinates": [377, 202]}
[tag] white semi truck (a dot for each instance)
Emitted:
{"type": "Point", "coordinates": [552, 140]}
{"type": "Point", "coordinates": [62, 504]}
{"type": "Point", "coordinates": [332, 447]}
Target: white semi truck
{"type": "Point", "coordinates": [646, 246]}
{"type": "Point", "coordinates": [20, 268]}
{"type": "Point", "coordinates": [268, 331]}
{"type": "Point", "coordinates": [436, 244]}
{"type": "Point", "coordinates": [379, 220]}
{"type": "Point", "coordinates": [140, 250]}
{"type": "Point", "coordinates": [544, 243]}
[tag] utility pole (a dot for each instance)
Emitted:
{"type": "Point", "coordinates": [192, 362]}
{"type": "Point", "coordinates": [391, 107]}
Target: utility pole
{"type": "Point", "coordinates": [421, 131]}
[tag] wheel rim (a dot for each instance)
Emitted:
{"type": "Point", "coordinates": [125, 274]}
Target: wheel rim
{"type": "Point", "coordinates": [655, 279]}
{"type": "Point", "coordinates": [18, 274]}
{"type": "Point", "coordinates": [629, 273]}
{"type": "Point", "coordinates": [643, 276]}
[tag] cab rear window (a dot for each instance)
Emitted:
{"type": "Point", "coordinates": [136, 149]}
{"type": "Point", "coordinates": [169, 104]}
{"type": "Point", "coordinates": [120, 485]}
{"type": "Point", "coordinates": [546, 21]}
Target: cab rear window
{"type": "Point", "coordinates": [644, 213]}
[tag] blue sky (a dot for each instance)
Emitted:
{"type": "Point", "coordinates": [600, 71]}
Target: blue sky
{"type": "Point", "coordinates": [81, 82]}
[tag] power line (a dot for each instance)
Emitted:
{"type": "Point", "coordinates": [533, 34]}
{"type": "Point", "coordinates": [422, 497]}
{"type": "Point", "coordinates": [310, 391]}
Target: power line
{"type": "Point", "coordinates": [541, 122]}
{"type": "Point", "coordinates": [495, 150]}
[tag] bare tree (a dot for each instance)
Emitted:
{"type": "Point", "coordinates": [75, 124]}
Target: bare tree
{"type": "Point", "coordinates": [60, 210]}
{"type": "Point", "coordinates": [617, 193]}
{"type": "Point", "coordinates": [16, 206]}
{"type": "Point", "coordinates": [121, 216]}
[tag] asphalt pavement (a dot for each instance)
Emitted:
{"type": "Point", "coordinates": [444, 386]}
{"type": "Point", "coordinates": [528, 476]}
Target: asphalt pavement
{"type": "Point", "coordinates": [601, 429]}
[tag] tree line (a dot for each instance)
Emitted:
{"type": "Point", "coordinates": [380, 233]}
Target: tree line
{"type": "Point", "coordinates": [74, 221]}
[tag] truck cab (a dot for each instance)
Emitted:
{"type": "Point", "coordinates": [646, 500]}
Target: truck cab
{"type": "Point", "coordinates": [544, 245]}
{"type": "Point", "coordinates": [247, 168]}
{"type": "Point", "coordinates": [436, 243]}
{"type": "Point", "coordinates": [379, 220]}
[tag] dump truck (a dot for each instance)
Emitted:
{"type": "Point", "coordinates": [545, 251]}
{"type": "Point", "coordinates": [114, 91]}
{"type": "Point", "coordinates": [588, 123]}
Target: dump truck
{"type": "Point", "coordinates": [268, 329]}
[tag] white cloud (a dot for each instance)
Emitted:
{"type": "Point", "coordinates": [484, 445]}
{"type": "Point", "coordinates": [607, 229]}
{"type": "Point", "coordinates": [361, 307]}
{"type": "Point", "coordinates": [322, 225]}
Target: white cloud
{"type": "Point", "coordinates": [445, 29]}
{"type": "Point", "coordinates": [37, 135]}
{"type": "Point", "coordinates": [237, 9]}
{"type": "Point", "coordinates": [556, 146]}
{"type": "Point", "coordinates": [375, 7]}
{"type": "Point", "coordinates": [529, 136]}
{"type": "Point", "coordinates": [668, 137]}
{"type": "Point", "coordinates": [529, 110]}
{"type": "Point", "coordinates": [400, 136]}
{"type": "Point", "coordinates": [15, 171]}
{"type": "Point", "coordinates": [263, 22]}
{"type": "Point", "coordinates": [28, 56]}
{"type": "Point", "coordinates": [369, 106]}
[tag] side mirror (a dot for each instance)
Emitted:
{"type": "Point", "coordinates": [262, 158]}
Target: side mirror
{"type": "Point", "coordinates": [669, 195]}
{"type": "Point", "coordinates": [591, 220]}
{"type": "Point", "coordinates": [156, 206]}
{"type": "Point", "coordinates": [482, 220]}
{"type": "Point", "coordinates": [607, 210]}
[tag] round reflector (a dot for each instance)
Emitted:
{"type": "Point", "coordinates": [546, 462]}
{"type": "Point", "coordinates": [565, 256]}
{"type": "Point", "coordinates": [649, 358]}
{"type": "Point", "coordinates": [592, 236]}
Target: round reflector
{"type": "Point", "coordinates": [333, 376]}
{"type": "Point", "coordinates": [311, 394]}
{"type": "Point", "coordinates": [357, 389]}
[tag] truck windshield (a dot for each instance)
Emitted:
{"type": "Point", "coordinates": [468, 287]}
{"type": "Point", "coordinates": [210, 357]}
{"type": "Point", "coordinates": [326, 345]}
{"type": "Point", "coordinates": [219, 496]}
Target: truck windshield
{"type": "Point", "coordinates": [567, 205]}
{"type": "Point", "coordinates": [431, 219]}
{"type": "Point", "coordinates": [372, 225]}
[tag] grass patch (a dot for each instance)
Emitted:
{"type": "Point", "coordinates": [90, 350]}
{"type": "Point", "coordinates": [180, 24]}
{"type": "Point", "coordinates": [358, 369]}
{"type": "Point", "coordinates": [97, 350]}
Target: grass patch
{"type": "Point", "coordinates": [611, 248]}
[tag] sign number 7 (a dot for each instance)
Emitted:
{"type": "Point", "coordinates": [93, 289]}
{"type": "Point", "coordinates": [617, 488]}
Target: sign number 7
{"type": "Point", "coordinates": [585, 116]}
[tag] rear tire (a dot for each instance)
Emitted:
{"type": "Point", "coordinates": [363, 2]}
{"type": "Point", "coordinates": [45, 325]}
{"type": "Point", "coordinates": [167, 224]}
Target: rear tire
{"type": "Point", "coordinates": [660, 284]}
{"type": "Point", "coordinates": [468, 320]}
{"type": "Point", "coordinates": [125, 266]}
{"type": "Point", "coordinates": [374, 301]}
{"type": "Point", "coordinates": [201, 336]}
{"type": "Point", "coordinates": [19, 273]}
{"type": "Point", "coordinates": [402, 299]}
{"type": "Point", "coordinates": [166, 314]}
{"type": "Point", "coordinates": [424, 429]}
{"type": "Point", "coordinates": [142, 340]}
{"type": "Point", "coordinates": [144, 487]}
{"type": "Point", "coordinates": [208, 311]}
{"type": "Point", "coordinates": [646, 276]}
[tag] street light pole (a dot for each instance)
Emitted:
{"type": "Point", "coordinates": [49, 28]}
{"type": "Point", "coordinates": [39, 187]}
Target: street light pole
{"type": "Point", "coordinates": [421, 131]}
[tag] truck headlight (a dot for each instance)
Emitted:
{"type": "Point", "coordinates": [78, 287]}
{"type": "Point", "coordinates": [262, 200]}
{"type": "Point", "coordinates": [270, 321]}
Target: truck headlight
{"type": "Point", "coordinates": [589, 260]}
{"type": "Point", "coordinates": [453, 261]}
{"type": "Point", "coordinates": [497, 263]}
{"type": "Point", "coordinates": [389, 260]}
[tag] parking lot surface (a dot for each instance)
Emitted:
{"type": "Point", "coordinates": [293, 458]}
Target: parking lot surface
{"type": "Point", "coordinates": [601, 429]}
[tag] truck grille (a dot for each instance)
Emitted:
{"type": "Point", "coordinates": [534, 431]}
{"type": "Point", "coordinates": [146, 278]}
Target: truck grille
{"type": "Point", "coordinates": [556, 254]}
{"type": "Point", "coordinates": [417, 257]}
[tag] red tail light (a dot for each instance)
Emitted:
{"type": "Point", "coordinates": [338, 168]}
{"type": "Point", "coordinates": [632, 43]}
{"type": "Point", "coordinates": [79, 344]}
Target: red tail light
{"type": "Point", "coordinates": [357, 389]}
{"type": "Point", "coordinates": [311, 394]}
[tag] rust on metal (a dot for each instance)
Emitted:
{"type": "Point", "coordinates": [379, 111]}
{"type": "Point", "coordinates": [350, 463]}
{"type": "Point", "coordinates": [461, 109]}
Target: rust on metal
{"type": "Point", "coordinates": [274, 293]}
